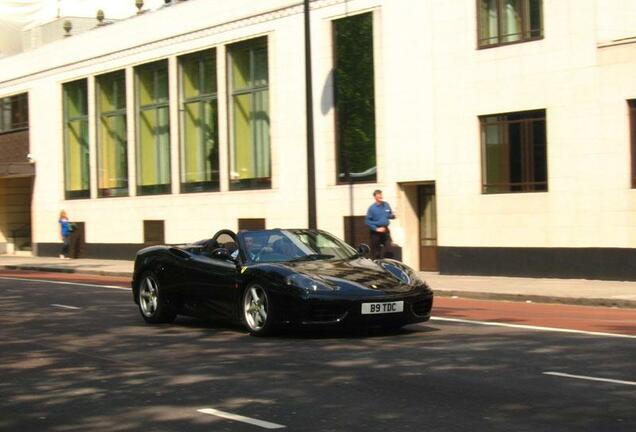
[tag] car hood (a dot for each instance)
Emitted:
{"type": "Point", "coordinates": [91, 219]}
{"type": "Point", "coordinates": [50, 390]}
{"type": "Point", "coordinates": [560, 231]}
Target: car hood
{"type": "Point", "coordinates": [360, 275]}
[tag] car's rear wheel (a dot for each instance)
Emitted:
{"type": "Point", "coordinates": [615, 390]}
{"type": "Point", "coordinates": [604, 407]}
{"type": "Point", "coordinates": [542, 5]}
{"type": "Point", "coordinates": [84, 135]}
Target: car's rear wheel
{"type": "Point", "coordinates": [153, 304]}
{"type": "Point", "coordinates": [257, 310]}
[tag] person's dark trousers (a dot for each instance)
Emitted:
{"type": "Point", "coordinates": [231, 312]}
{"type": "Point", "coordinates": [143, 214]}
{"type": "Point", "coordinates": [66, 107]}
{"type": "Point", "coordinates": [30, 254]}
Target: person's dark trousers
{"type": "Point", "coordinates": [65, 245]}
{"type": "Point", "coordinates": [380, 244]}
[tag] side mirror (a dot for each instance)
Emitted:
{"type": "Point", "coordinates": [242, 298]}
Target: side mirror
{"type": "Point", "coordinates": [222, 254]}
{"type": "Point", "coordinates": [363, 249]}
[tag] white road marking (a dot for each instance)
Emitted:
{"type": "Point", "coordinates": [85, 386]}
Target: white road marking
{"type": "Point", "coordinates": [67, 283]}
{"type": "Point", "coordinates": [64, 306]}
{"type": "Point", "coordinates": [230, 416]}
{"type": "Point", "coordinates": [589, 378]}
{"type": "Point", "coordinates": [529, 327]}
{"type": "Point", "coordinates": [486, 323]}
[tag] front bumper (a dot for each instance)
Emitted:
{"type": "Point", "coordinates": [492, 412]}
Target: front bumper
{"type": "Point", "coordinates": [330, 312]}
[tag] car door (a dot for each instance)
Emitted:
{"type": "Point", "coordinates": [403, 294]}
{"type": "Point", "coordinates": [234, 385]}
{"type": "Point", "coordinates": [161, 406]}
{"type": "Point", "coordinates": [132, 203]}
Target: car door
{"type": "Point", "coordinates": [170, 270]}
{"type": "Point", "coordinates": [211, 284]}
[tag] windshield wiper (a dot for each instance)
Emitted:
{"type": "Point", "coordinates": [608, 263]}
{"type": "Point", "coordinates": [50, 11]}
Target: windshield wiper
{"type": "Point", "coordinates": [311, 257]}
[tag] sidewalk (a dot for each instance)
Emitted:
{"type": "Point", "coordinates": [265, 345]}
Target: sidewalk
{"type": "Point", "coordinates": [88, 266]}
{"type": "Point", "coordinates": [538, 290]}
{"type": "Point", "coordinates": [569, 291]}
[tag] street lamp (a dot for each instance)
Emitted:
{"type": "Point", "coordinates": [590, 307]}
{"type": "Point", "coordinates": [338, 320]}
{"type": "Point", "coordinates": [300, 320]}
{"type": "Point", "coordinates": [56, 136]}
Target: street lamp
{"type": "Point", "coordinates": [311, 169]}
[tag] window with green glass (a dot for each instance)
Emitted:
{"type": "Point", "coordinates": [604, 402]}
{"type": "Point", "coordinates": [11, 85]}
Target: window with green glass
{"type": "Point", "coordinates": [249, 113]}
{"type": "Point", "coordinates": [76, 155]}
{"type": "Point", "coordinates": [153, 129]}
{"type": "Point", "coordinates": [354, 98]}
{"type": "Point", "coordinates": [503, 22]}
{"type": "Point", "coordinates": [112, 144]}
{"type": "Point", "coordinates": [199, 123]}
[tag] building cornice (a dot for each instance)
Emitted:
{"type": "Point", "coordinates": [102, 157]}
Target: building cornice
{"type": "Point", "coordinates": [259, 18]}
{"type": "Point", "coordinates": [618, 42]}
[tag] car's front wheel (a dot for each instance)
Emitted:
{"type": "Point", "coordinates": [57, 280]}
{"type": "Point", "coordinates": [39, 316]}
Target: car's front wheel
{"type": "Point", "coordinates": [257, 311]}
{"type": "Point", "coordinates": [153, 304]}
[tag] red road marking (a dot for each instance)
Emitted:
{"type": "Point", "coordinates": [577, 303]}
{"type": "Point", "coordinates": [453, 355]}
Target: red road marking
{"type": "Point", "coordinates": [121, 281]}
{"type": "Point", "coordinates": [585, 318]}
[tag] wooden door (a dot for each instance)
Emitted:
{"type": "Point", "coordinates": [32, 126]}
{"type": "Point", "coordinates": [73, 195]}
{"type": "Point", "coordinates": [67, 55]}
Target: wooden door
{"type": "Point", "coordinates": [251, 224]}
{"type": "Point", "coordinates": [427, 211]}
{"type": "Point", "coordinates": [154, 232]}
{"type": "Point", "coordinates": [77, 241]}
{"type": "Point", "coordinates": [356, 231]}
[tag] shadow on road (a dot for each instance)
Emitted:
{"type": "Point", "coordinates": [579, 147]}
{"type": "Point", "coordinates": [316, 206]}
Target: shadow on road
{"type": "Point", "coordinates": [102, 368]}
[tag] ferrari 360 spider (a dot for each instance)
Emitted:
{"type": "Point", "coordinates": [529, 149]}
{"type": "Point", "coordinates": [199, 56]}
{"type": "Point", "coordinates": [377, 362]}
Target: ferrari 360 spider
{"type": "Point", "coordinates": [268, 279]}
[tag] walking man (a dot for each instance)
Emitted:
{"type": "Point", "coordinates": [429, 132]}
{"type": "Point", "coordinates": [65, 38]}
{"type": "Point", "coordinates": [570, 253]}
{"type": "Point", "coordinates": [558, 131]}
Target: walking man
{"type": "Point", "coordinates": [377, 220]}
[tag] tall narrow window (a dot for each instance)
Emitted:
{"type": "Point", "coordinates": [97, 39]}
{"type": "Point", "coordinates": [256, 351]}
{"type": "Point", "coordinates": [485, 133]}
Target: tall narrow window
{"type": "Point", "coordinates": [14, 113]}
{"type": "Point", "coordinates": [508, 21]}
{"type": "Point", "coordinates": [354, 98]}
{"type": "Point", "coordinates": [153, 139]}
{"type": "Point", "coordinates": [249, 87]}
{"type": "Point", "coordinates": [76, 160]}
{"type": "Point", "coordinates": [632, 123]}
{"type": "Point", "coordinates": [514, 152]}
{"type": "Point", "coordinates": [112, 145]}
{"type": "Point", "coordinates": [199, 120]}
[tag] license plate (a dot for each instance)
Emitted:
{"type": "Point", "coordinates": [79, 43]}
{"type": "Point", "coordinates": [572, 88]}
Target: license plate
{"type": "Point", "coordinates": [381, 308]}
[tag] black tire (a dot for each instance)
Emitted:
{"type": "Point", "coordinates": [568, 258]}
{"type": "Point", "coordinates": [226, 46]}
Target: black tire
{"type": "Point", "coordinates": [153, 304]}
{"type": "Point", "coordinates": [256, 310]}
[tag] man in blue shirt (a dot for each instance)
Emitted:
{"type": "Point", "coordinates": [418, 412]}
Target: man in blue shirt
{"type": "Point", "coordinates": [377, 220]}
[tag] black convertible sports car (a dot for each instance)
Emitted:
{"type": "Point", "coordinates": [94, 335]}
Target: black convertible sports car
{"type": "Point", "coordinates": [269, 278]}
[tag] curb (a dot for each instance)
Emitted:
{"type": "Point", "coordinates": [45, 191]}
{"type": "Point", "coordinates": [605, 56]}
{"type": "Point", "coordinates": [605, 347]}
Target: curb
{"type": "Point", "coordinates": [524, 298]}
{"type": "Point", "coordinates": [65, 270]}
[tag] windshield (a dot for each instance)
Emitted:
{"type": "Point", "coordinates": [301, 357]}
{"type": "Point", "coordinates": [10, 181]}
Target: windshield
{"type": "Point", "coordinates": [292, 245]}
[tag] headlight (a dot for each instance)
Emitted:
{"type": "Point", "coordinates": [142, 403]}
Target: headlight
{"type": "Point", "coordinates": [402, 275]}
{"type": "Point", "coordinates": [308, 284]}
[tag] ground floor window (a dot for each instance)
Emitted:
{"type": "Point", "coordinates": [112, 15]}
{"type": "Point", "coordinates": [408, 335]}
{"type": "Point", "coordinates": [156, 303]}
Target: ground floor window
{"type": "Point", "coordinates": [354, 98]}
{"type": "Point", "coordinates": [199, 122]}
{"type": "Point", "coordinates": [112, 142]}
{"type": "Point", "coordinates": [153, 120]}
{"type": "Point", "coordinates": [250, 157]}
{"type": "Point", "coordinates": [76, 154]}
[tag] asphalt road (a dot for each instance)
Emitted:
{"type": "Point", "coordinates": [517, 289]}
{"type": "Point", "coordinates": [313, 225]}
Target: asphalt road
{"type": "Point", "coordinates": [79, 357]}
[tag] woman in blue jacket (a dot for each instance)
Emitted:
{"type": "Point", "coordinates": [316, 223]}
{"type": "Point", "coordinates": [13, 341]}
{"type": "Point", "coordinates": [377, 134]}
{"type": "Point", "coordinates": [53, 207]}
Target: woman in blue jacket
{"type": "Point", "coordinates": [65, 234]}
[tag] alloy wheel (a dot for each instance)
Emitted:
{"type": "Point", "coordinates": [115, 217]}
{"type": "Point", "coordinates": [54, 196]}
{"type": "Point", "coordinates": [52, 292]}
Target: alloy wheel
{"type": "Point", "coordinates": [255, 307]}
{"type": "Point", "coordinates": [148, 295]}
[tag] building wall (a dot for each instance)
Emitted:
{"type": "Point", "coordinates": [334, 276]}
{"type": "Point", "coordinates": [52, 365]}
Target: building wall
{"type": "Point", "coordinates": [430, 109]}
{"type": "Point", "coordinates": [615, 19]}
{"type": "Point", "coordinates": [188, 217]}
{"type": "Point", "coordinates": [586, 217]}
{"type": "Point", "coordinates": [432, 84]}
